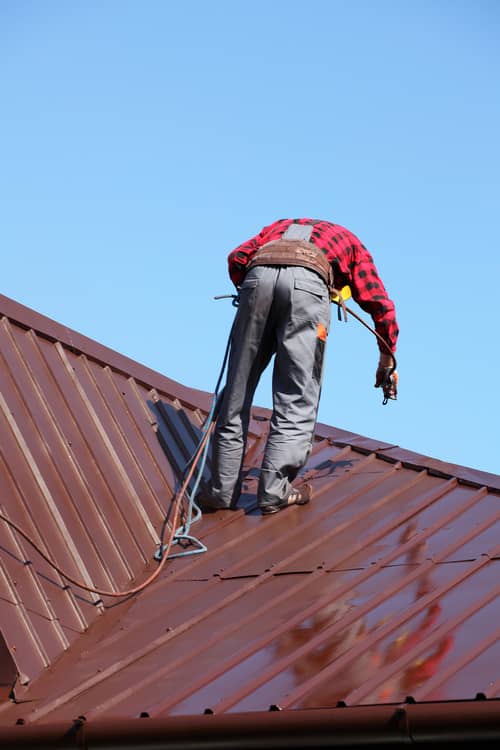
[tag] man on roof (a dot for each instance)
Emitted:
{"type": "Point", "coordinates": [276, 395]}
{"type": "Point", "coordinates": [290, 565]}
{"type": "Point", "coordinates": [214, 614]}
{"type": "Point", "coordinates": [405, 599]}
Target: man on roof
{"type": "Point", "coordinates": [286, 276]}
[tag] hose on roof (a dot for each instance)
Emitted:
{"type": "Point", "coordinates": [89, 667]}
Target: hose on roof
{"type": "Point", "coordinates": [176, 507]}
{"type": "Point", "coordinates": [136, 589]}
{"type": "Point", "coordinates": [199, 457]}
{"type": "Point", "coordinates": [182, 533]}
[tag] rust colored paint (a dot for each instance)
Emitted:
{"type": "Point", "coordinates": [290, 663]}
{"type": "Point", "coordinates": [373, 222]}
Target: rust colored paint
{"type": "Point", "coordinates": [385, 586]}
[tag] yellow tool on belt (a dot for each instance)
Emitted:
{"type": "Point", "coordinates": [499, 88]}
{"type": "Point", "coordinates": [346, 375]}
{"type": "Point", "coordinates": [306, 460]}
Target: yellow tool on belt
{"type": "Point", "coordinates": [344, 293]}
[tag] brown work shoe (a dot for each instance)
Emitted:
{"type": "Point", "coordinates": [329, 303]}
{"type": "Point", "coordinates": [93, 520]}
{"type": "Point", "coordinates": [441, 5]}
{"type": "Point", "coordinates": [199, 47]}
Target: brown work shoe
{"type": "Point", "coordinates": [298, 496]}
{"type": "Point", "coordinates": [207, 503]}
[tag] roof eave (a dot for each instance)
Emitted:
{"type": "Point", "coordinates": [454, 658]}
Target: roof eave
{"type": "Point", "coordinates": [467, 723]}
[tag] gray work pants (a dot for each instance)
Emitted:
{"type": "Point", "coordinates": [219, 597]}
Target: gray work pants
{"type": "Point", "coordinates": [283, 310]}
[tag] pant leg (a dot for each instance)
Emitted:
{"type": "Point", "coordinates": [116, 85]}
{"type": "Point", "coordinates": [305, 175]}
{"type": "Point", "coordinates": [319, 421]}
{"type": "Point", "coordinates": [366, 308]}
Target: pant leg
{"type": "Point", "coordinates": [252, 346]}
{"type": "Point", "coordinates": [301, 310]}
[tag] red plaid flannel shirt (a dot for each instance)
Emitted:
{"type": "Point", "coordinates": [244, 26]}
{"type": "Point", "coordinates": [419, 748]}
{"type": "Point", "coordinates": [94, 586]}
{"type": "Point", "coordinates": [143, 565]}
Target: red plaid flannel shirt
{"type": "Point", "coordinates": [351, 262]}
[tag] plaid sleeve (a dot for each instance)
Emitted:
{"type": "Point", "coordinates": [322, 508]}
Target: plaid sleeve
{"type": "Point", "coordinates": [239, 258]}
{"type": "Point", "coordinates": [369, 292]}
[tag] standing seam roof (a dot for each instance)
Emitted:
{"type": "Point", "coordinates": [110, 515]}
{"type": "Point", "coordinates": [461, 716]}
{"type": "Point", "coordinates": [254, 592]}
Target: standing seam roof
{"type": "Point", "coordinates": [385, 587]}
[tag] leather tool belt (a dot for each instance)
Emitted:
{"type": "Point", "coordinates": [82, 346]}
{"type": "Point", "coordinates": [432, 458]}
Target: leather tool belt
{"type": "Point", "coordinates": [295, 253]}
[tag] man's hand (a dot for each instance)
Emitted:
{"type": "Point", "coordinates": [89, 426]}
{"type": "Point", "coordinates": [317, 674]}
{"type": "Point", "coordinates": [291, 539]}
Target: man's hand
{"type": "Point", "coordinates": [386, 377]}
{"type": "Point", "coordinates": [385, 365]}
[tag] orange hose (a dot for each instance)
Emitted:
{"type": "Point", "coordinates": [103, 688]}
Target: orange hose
{"type": "Point", "coordinates": [129, 592]}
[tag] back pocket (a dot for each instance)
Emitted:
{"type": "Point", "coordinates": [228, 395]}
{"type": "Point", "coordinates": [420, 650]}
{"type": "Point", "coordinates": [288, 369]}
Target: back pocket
{"type": "Point", "coordinates": [311, 286]}
{"type": "Point", "coordinates": [310, 296]}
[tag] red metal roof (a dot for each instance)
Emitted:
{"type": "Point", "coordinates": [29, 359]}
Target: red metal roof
{"type": "Point", "coordinates": [386, 586]}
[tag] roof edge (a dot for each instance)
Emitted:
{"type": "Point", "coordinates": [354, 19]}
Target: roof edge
{"type": "Point", "coordinates": [410, 459]}
{"type": "Point", "coordinates": [471, 723]}
{"type": "Point", "coordinates": [48, 328]}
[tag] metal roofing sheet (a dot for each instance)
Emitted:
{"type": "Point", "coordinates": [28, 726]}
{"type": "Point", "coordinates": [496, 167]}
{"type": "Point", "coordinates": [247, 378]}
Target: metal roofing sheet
{"type": "Point", "coordinates": [385, 586]}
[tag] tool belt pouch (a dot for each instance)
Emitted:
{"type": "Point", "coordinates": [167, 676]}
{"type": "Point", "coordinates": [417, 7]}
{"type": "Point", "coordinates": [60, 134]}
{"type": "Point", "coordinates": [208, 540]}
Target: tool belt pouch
{"type": "Point", "coordinates": [295, 253]}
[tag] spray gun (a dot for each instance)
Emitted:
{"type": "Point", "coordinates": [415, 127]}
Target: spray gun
{"type": "Point", "coordinates": [390, 385]}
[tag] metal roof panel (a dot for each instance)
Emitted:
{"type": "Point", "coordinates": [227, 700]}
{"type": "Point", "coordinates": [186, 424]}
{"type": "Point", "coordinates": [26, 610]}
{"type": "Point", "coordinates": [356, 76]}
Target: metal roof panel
{"type": "Point", "coordinates": [385, 586]}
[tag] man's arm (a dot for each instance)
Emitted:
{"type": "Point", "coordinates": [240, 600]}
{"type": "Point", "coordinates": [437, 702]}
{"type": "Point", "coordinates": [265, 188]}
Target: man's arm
{"type": "Point", "coordinates": [369, 292]}
{"type": "Point", "coordinates": [240, 257]}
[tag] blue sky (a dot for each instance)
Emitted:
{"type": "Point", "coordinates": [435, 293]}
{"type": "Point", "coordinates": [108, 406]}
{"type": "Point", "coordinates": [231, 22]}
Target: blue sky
{"type": "Point", "coordinates": [141, 141]}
